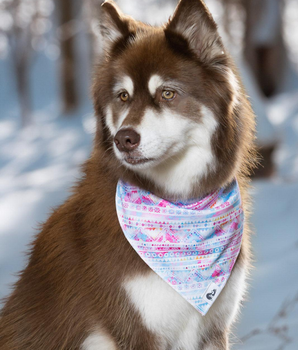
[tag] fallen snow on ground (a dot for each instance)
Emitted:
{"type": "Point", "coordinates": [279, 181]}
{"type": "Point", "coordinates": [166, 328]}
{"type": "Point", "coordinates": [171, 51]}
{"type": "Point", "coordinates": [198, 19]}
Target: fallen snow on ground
{"type": "Point", "coordinates": [270, 316]}
{"type": "Point", "coordinates": [38, 165]}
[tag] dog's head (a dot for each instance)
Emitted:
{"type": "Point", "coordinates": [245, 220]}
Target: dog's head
{"type": "Point", "coordinates": [171, 112]}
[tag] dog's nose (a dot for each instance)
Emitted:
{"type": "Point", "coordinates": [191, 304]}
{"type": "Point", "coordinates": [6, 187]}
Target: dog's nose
{"type": "Point", "coordinates": [127, 140]}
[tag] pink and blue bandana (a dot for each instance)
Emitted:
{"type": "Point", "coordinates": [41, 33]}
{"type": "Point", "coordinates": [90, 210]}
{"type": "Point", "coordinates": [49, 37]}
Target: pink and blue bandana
{"type": "Point", "coordinates": [192, 246]}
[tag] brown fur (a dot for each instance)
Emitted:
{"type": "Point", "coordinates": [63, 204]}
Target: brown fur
{"type": "Point", "coordinates": [72, 284]}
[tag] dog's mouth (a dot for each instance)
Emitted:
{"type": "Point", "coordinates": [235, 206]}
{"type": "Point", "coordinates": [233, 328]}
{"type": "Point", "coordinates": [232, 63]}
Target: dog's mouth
{"type": "Point", "coordinates": [136, 161]}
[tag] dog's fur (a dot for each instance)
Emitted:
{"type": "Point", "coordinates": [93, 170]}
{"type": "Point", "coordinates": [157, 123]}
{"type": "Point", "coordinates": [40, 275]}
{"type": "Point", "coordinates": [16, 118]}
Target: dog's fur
{"type": "Point", "coordinates": [84, 286]}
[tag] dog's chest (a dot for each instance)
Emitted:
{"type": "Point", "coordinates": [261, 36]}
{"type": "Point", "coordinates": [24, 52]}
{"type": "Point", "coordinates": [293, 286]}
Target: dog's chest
{"type": "Point", "coordinates": [164, 311]}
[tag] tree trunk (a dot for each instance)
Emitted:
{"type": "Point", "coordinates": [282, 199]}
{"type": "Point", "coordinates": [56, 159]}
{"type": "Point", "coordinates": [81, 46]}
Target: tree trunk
{"type": "Point", "coordinates": [69, 89]}
{"type": "Point", "coordinates": [23, 90]}
{"type": "Point", "coordinates": [264, 47]}
{"type": "Point", "coordinates": [21, 62]}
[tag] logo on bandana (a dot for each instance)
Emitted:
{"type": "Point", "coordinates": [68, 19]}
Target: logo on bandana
{"type": "Point", "coordinates": [210, 296]}
{"type": "Point", "coordinates": [211, 293]}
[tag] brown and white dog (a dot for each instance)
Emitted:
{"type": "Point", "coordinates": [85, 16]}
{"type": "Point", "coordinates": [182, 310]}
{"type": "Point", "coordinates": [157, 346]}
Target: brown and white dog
{"type": "Point", "coordinates": [172, 117]}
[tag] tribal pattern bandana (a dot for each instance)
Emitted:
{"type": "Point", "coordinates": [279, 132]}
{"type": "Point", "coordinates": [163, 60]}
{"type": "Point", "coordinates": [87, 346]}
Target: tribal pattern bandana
{"type": "Point", "coordinates": [192, 246]}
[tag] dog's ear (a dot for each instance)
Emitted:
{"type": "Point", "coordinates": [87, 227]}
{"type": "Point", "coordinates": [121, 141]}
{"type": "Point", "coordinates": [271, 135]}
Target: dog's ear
{"type": "Point", "coordinates": [193, 21]}
{"type": "Point", "coordinates": [113, 24]}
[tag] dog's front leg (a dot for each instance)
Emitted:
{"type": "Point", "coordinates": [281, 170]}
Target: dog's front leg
{"type": "Point", "coordinates": [217, 340]}
{"type": "Point", "coordinates": [122, 338]}
{"type": "Point", "coordinates": [130, 333]}
{"type": "Point", "coordinates": [143, 340]}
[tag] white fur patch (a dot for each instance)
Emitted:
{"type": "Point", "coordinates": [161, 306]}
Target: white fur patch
{"type": "Point", "coordinates": [110, 122]}
{"type": "Point", "coordinates": [234, 87]}
{"type": "Point", "coordinates": [98, 340]}
{"type": "Point", "coordinates": [121, 119]}
{"type": "Point", "coordinates": [183, 146]}
{"type": "Point", "coordinates": [125, 83]}
{"type": "Point", "coordinates": [112, 34]}
{"type": "Point", "coordinates": [154, 83]}
{"type": "Point", "coordinates": [165, 312]}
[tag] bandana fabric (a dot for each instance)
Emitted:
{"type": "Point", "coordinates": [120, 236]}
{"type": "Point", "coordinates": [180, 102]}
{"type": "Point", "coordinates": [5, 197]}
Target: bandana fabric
{"type": "Point", "coordinates": [192, 246]}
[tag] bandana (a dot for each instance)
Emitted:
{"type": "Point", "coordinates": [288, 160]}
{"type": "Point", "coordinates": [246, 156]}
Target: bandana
{"type": "Point", "coordinates": [191, 245]}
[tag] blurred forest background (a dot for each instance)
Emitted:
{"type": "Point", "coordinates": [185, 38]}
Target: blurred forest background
{"type": "Point", "coordinates": [47, 52]}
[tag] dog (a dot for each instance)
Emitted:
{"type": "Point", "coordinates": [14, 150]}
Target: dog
{"type": "Point", "coordinates": [172, 119]}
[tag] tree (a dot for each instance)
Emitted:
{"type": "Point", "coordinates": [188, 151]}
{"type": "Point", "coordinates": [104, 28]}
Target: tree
{"type": "Point", "coordinates": [27, 22]}
{"type": "Point", "coordinates": [264, 47]}
{"type": "Point", "coordinates": [67, 11]}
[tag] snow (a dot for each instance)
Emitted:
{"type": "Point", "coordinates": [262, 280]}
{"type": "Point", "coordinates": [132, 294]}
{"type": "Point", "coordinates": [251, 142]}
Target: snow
{"type": "Point", "coordinates": [38, 165]}
{"type": "Point", "coordinates": [275, 275]}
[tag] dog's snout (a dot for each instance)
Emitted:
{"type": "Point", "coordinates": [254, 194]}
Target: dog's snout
{"type": "Point", "coordinates": [127, 140]}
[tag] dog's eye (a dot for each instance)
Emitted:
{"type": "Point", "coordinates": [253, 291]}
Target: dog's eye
{"type": "Point", "coordinates": [124, 96]}
{"type": "Point", "coordinates": [168, 94]}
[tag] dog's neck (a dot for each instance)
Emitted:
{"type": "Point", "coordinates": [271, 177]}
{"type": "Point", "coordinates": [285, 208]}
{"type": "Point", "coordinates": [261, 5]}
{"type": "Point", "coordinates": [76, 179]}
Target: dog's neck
{"type": "Point", "coordinates": [180, 191]}
{"type": "Point", "coordinates": [173, 182]}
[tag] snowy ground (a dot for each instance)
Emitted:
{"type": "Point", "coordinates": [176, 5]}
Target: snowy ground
{"type": "Point", "coordinates": [274, 283]}
{"type": "Point", "coordinates": [38, 165]}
